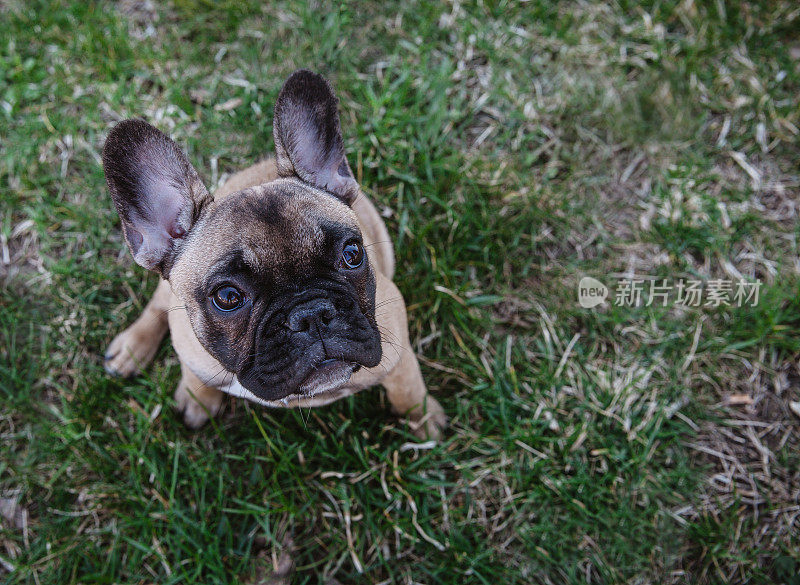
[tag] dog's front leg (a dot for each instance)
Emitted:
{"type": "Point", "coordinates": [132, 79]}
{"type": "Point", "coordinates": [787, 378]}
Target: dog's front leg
{"type": "Point", "coordinates": [409, 397]}
{"type": "Point", "coordinates": [134, 348]}
{"type": "Point", "coordinates": [404, 385]}
{"type": "Point", "coordinates": [197, 401]}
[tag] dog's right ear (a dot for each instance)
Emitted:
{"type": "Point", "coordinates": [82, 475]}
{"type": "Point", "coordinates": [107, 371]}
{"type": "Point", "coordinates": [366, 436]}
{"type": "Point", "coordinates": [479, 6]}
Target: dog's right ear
{"type": "Point", "coordinates": [157, 192]}
{"type": "Point", "coordinates": [308, 136]}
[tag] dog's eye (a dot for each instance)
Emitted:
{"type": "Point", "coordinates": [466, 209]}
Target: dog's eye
{"type": "Point", "coordinates": [352, 254]}
{"type": "Point", "coordinates": [227, 298]}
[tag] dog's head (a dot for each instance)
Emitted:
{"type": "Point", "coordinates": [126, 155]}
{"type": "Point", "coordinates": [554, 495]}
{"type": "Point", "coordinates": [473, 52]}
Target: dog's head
{"type": "Point", "coordinates": [275, 278]}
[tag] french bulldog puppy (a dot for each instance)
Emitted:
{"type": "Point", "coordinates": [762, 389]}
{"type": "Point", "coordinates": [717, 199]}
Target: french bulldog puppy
{"type": "Point", "coordinates": [278, 288]}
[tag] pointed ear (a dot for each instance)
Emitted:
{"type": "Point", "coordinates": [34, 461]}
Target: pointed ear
{"type": "Point", "coordinates": [157, 192]}
{"type": "Point", "coordinates": [308, 138]}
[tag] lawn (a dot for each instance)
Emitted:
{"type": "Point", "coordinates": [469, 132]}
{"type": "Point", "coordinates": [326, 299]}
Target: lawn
{"type": "Point", "coordinates": [513, 148]}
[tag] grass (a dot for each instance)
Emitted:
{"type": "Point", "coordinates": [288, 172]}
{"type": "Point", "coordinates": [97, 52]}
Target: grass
{"type": "Point", "coordinates": [514, 147]}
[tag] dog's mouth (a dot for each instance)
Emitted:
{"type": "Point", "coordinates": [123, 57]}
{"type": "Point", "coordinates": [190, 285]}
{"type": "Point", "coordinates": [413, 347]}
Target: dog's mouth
{"type": "Point", "coordinates": [329, 375]}
{"type": "Point", "coordinates": [325, 375]}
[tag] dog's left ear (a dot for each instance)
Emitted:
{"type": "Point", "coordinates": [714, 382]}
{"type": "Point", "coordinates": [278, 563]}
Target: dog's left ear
{"type": "Point", "coordinates": [308, 138]}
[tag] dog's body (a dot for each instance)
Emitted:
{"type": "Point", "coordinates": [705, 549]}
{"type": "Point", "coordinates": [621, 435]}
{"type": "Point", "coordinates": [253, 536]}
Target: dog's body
{"type": "Point", "coordinates": [269, 231]}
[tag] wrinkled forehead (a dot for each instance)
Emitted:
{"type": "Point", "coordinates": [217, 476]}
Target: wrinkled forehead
{"type": "Point", "coordinates": [269, 225]}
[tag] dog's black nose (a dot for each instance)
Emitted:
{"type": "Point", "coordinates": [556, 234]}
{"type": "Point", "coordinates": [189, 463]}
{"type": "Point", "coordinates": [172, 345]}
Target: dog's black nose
{"type": "Point", "coordinates": [305, 316]}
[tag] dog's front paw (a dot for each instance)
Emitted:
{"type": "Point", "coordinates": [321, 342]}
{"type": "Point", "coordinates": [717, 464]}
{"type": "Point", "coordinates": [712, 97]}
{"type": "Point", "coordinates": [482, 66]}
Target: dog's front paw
{"type": "Point", "coordinates": [197, 404]}
{"type": "Point", "coordinates": [130, 351]}
{"type": "Point", "coordinates": [429, 422]}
